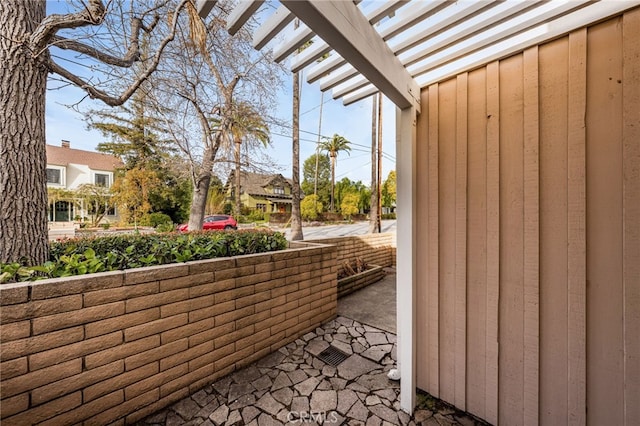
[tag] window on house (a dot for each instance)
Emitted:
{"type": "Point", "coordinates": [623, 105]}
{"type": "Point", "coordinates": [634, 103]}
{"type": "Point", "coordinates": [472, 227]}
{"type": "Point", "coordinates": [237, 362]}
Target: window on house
{"type": "Point", "coordinates": [262, 207]}
{"type": "Point", "coordinates": [54, 176]}
{"type": "Point", "coordinates": [102, 179]}
{"type": "Point", "coordinates": [278, 190]}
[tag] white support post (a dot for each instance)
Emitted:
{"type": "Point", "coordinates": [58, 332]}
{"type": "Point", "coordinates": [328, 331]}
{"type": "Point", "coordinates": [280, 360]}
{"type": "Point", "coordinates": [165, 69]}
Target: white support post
{"type": "Point", "coordinates": [405, 254]}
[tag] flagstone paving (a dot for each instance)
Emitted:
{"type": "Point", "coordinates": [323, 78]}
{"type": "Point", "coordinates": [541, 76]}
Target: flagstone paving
{"type": "Point", "coordinates": [292, 386]}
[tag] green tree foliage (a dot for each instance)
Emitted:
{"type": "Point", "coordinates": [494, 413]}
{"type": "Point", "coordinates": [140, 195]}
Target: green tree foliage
{"type": "Point", "coordinates": [217, 197]}
{"type": "Point", "coordinates": [131, 193]}
{"type": "Point", "coordinates": [310, 207]}
{"type": "Point", "coordinates": [324, 177]}
{"type": "Point", "coordinates": [349, 204]}
{"type": "Point", "coordinates": [389, 190]}
{"type": "Point", "coordinates": [248, 126]}
{"type": "Point", "coordinates": [133, 134]}
{"type": "Point", "coordinates": [346, 186]}
{"type": "Point", "coordinates": [333, 146]}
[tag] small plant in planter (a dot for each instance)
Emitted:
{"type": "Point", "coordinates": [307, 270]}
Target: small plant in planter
{"type": "Point", "coordinates": [358, 266]}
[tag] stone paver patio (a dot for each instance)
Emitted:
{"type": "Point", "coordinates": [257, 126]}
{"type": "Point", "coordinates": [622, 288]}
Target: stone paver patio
{"type": "Point", "coordinates": [293, 386]}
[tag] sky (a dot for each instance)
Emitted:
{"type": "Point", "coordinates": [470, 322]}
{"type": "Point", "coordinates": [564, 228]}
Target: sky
{"type": "Point", "coordinates": [353, 122]}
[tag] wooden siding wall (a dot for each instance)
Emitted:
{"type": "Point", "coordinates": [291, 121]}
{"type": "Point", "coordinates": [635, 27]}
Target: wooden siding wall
{"type": "Point", "coordinates": [528, 299]}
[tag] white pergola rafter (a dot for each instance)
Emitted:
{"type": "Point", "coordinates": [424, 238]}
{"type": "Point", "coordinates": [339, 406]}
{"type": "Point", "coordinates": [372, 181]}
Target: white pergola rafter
{"type": "Point", "coordinates": [361, 47]}
{"type": "Point", "coordinates": [343, 26]}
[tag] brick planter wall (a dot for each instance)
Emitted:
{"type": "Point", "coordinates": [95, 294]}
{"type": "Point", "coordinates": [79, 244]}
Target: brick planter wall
{"type": "Point", "coordinates": [348, 285]}
{"type": "Point", "coordinates": [374, 249]}
{"type": "Point", "coordinates": [117, 346]}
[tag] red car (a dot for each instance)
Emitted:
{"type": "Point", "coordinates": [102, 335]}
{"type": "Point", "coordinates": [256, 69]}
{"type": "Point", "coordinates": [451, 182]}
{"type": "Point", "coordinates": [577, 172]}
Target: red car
{"type": "Point", "coordinates": [216, 221]}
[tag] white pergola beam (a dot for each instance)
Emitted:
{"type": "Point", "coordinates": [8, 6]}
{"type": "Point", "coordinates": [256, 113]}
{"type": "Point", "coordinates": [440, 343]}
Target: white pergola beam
{"type": "Point", "coordinates": [312, 53]}
{"type": "Point", "coordinates": [204, 7]}
{"type": "Point", "coordinates": [272, 26]}
{"type": "Point", "coordinates": [343, 26]}
{"type": "Point", "coordinates": [300, 36]}
{"type": "Point", "coordinates": [374, 16]}
{"type": "Point", "coordinates": [241, 14]}
{"type": "Point", "coordinates": [330, 64]}
{"type": "Point", "coordinates": [413, 14]}
{"type": "Point", "coordinates": [383, 10]}
{"type": "Point", "coordinates": [450, 16]}
{"type": "Point", "coordinates": [340, 75]}
{"type": "Point", "coordinates": [356, 83]}
{"type": "Point", "coordinates": [493, 34]}
{"type": "Point", "coordinates": [359, 95]}
{"type": "Point", "coordinates": [467, 28]}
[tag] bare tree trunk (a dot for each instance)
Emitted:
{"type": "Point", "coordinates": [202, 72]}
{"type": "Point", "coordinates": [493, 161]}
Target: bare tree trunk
{"type": "Point", "coordinates": [23, 204]}
{"type": "Point", "coordinates": [201, 191]}
{"type": "Point", "coordinates": [296, 219]}
{"type": "Point", "coordinates": [373, 211]}
{"type": "Point", "coordinates": [238, 207]}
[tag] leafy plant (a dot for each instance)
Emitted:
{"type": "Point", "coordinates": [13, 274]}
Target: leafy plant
{"type": "Point", "coordinates": [97, 254]}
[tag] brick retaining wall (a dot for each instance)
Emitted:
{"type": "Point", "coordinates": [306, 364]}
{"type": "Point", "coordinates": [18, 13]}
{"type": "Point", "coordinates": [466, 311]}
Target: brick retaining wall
{"type": "Point", "coordinates": [374, 249]}
{"type": "Point", "coordinates": [118, 346]}
{"type": "Point", "coordinates": [348, 285]}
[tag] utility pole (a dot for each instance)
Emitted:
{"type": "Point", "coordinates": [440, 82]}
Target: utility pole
{"type": "Point", "coordinates": [375, 200]}
{"type": "Point", "coordinates": [315, 180]}
{"type": "Point", "coordinates": [379, 185]}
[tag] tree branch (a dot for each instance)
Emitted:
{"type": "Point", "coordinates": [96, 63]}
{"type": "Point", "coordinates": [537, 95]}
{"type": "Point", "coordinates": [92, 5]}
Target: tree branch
{"type": "Point", "coordinates": [96, 93]}
{"type": "Point", "coordinates": [93, 14]}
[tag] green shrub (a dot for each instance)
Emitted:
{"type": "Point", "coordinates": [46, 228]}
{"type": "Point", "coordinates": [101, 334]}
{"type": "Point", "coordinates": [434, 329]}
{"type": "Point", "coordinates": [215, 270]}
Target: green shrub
{"type": "Point", "coordinates": [98, 254]}
{"type": "Point", "coordinates": [156, 219]}
{"type": "Point", "coordinates": [256, 215]}
{"type": "Point", "coordinates": [310, 207]}
{"type": "Point", "coordinates": [389, 216]}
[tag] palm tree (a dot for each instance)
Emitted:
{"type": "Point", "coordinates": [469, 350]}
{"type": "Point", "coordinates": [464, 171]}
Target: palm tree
{"type": "Point", "coordinates": [246, 124]}
{"type": "Point", "coordinates": [333, 146]}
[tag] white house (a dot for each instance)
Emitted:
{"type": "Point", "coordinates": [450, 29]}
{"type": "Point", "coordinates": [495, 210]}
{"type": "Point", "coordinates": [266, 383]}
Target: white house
{"type": "Point", "coordinates": [68, 169]}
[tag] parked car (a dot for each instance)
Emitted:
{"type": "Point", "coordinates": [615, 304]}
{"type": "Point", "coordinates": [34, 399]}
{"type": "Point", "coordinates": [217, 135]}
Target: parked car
{"type": "Point", "coordinates": [216, 221]}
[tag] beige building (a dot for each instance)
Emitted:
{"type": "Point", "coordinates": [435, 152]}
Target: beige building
{"type": "Point", "coordinates": [518, 159]}
{"type": "Point", "coordinates": [269, 193]}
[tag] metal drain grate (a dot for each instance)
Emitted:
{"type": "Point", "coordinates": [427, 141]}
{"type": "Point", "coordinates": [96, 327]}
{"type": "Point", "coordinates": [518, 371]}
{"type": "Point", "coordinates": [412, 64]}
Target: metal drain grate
{"type": "Point", "coordinates": [332, 356]}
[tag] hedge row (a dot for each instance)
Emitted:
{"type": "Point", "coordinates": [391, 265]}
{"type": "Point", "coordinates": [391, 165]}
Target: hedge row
{"type": "Point", "coordinates": [98, 254]}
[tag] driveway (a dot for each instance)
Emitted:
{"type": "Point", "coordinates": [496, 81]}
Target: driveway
{"type": "Point", "coordinates": [342, 230]}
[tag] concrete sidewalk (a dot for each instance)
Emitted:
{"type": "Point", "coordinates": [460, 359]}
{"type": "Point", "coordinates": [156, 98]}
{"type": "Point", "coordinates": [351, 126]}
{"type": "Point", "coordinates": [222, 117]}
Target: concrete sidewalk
{"type": "Point", "coordinates": [374, 305]}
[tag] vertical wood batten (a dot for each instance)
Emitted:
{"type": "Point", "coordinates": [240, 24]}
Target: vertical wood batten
{"type": "Point", "coordinates": [447, 232]}
{"type": "Point", "coordinates": [631, 213]}
{"type": "Point", "coordinates": [605, 304]}
{"type": "Point", "coordinates": [493, 239]}
{"type": "Point", "coordinates": [553, 85]}
{"type": "Point", "coordinates": [461, 242]}
{"type": "Point", "coordinates": [434, 380]}
{"type": "Point", "coordinates": [511, 306]}
{"type": "Point", "coordinates": [477, 242]}
{"type": "Point", "coordinates": [422, 245]}
{"type": "Point", "coordinates": [576, 228]}
{"type": "Point", "coordinates": [531, 237]}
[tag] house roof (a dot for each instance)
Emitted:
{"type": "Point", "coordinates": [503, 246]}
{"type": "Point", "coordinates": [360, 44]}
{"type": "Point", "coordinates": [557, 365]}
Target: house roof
{"type": "Point", "coordinates": [63, 156]}
{"type": "Point", "coordinates": [398, 46]}
{"type": "Point", "coordinates": [256, 183]}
